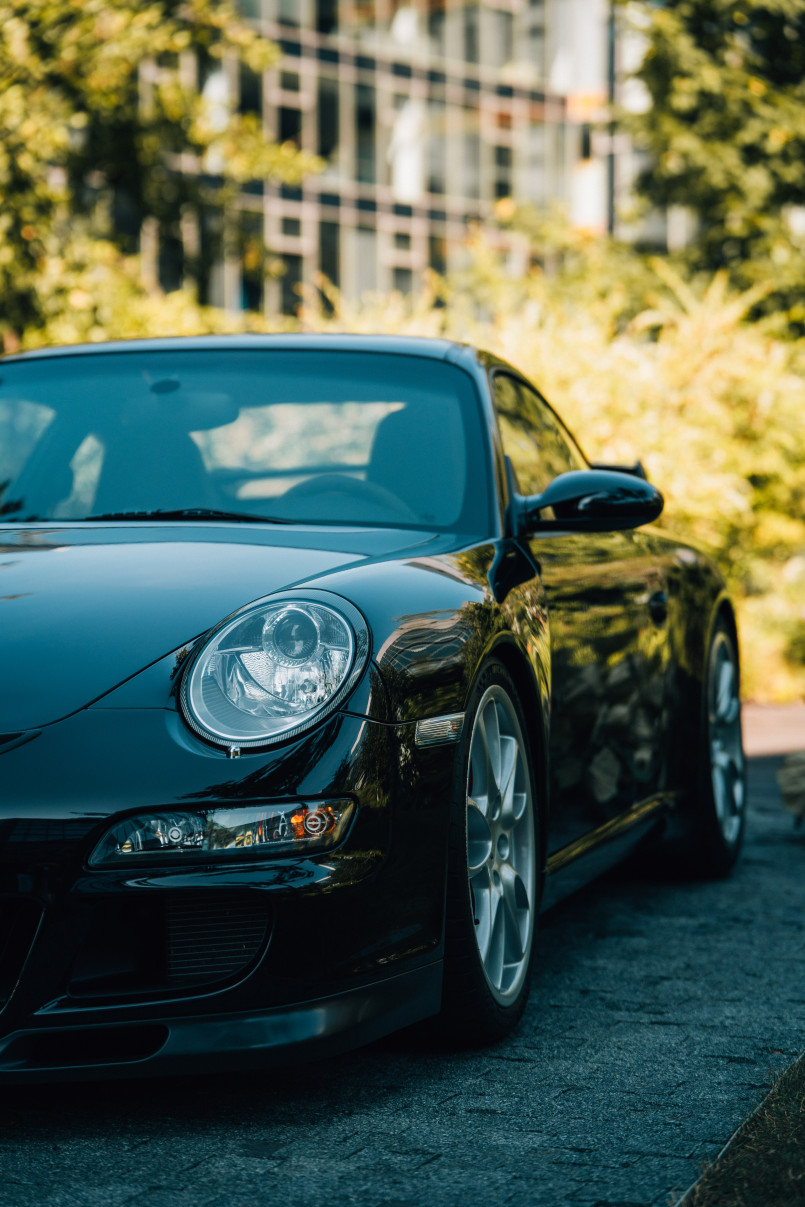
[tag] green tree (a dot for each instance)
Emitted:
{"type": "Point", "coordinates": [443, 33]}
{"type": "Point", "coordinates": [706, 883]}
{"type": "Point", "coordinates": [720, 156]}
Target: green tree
{"type": "Point", "coordinates": [106, 130]}
{"type": "Point", "coordinates": [725, 129]}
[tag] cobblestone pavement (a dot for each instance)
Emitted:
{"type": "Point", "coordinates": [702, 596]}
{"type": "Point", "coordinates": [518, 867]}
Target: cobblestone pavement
{"type": "Point", "coordinates": [658, 1012]}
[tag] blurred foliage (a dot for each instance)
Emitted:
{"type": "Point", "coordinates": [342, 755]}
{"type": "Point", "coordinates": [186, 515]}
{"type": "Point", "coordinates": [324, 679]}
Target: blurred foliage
{"type": "Point", "coordinates": [88, 292]}
{"type": "Point", "coordinates": [99, 111]}
{"type": "Point", "coordinates": [724, 128]}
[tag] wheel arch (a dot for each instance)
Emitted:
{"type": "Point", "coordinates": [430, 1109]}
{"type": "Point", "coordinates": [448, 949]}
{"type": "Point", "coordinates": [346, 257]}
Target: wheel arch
{"type": "Point", "coordinates": [516, 662]}
{"type": "Point", "coordinates": [691, 699]}
{"type": "Point", "coordinates": [721, 609]}
{"type": "Point", "coordinates": [725, 611]}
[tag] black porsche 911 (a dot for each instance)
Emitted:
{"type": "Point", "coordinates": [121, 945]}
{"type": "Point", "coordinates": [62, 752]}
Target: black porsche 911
{"type": "Point", "coordinates": [327, 663]}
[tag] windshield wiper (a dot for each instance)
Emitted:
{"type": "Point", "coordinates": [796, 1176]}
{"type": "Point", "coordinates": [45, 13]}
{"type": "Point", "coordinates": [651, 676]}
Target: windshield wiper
{"type": "Point", "coordinates": [191, 513]}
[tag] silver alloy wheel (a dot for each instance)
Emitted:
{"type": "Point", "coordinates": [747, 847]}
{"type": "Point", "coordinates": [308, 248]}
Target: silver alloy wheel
{"type": "Point", "coordinates": [724, 734]}
{"type": "Point", "coordinates": [501, 845]}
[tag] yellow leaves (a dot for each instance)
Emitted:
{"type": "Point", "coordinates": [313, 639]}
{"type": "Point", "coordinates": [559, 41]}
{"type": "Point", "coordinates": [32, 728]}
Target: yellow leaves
{"type": "Point", "coordinates": [756, 86]}
{"type": "Point", "coordinates": [80, 299]}
{"type": "Point", "coordinates": [259, 55]}
{"type": "Point", "coordinates": [242, 152]}
{"type": "Point", "coordinates": [14, 44]}
{"type": "Point", "coordinates": [673, 163]}
{"type": "Point", "coordinates": [109, 24]}
{"type": "Point", "coordinates": [176, 103]}
{"type": "Point", "coordinates": [778, 137]}
{"type": "Point", "coordinates": [505, 209]}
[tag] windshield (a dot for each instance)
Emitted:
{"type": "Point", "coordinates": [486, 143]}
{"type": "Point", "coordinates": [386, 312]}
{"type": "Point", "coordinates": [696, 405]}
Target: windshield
{"type": "Point", "coordinates": [303, 436]}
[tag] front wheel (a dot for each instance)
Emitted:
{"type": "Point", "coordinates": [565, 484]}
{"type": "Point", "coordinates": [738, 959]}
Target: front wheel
{"type": "Point", "coordinates": [494, 873]}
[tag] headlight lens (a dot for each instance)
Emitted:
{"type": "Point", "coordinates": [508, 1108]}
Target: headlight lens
{"type": "Point", "coordinates": [274, 670]}
{"type": "Point", "coordinates": [256, 831]}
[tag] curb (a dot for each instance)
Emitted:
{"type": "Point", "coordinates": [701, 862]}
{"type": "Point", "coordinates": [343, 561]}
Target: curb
{"type": "Point", "coordinates": [687, 1197]}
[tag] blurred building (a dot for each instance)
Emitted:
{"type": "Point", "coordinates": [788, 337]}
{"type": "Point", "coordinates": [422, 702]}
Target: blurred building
{"type": "Point", "coordinates": [426, 113]}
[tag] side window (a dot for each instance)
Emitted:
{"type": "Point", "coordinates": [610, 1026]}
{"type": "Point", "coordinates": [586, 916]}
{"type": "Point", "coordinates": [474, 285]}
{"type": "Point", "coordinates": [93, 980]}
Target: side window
{"type": "Point", "coordinates": [539, 448]}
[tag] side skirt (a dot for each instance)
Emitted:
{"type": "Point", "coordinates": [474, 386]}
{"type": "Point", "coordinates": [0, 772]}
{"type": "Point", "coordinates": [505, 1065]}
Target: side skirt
{"type": "Point", "coordinates": [582, 860]}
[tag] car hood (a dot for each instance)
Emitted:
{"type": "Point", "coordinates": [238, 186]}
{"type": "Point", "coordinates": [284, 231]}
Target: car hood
{"type": "Point", "coordinates": [83, 609]}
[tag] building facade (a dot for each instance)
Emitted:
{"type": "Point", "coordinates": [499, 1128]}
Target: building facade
{"type": "Point", "coordinates": [425, 113]}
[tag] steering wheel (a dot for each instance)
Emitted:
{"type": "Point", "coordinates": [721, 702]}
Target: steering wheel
{"type": "Point", "coordinates": [343, 484]}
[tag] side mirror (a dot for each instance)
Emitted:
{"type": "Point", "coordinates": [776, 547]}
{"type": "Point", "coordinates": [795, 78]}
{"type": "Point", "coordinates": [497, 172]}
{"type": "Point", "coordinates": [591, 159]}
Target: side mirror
{"type": "Point", "coordinates": [638, 469]}
{"type": "Point", "coordinates": [592, 500]}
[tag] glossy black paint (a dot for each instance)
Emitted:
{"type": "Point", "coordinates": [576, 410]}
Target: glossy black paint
{"type": "Point", "coordinates": [604, 633]}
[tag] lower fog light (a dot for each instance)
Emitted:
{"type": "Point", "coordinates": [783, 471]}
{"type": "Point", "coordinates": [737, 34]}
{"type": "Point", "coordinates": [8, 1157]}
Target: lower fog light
{"type": "Point", "coordinates": [249, 831]}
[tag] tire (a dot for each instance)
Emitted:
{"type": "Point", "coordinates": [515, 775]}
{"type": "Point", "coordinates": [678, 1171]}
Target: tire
{"type": "Point", "coordinates": [716, 806]}
{"type": "Point", "coordinates": [494, 875]}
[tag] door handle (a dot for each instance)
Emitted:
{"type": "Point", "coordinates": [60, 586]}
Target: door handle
{"type": "Point", "coordinates": [658, 607]}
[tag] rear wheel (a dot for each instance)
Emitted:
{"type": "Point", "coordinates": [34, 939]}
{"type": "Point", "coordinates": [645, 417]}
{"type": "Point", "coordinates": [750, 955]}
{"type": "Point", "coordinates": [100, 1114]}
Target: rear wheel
{"type": "Point", "coordinates": [494, 880]}
{"type": "Point", "coordinates": [710, 842]}
{"type": "Point", "coordinates": [723, 787]}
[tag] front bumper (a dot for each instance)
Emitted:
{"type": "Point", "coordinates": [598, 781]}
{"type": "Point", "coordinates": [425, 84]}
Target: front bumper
{"type": "Point", "coordinates": [337, 929]}
{"type": "Point", "coordinates": [215, 1042]}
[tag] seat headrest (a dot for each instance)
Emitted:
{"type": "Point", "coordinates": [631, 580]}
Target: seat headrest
{"type": "Point", "coordinates": [419, 454]}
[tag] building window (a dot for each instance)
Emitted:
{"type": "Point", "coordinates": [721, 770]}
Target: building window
{"type": "Point", "coordinates": [503, 171]}
{"type": "Point", "coordinates": [472, 34]}
{"type": "Point", "coordinates": [472, 165]}
{"type": "Point", "coordinates": [437, 147]}
{"type": "Point", "coordinates": [407, 149]}
{"type": "Point", "coordinates": [437, 253]}
{"type": "Point", "coordinates": [436, 30]}
{"type": "Point", "coordinates": [326, 16]}
{"type": "Point", "coordinates": [365, 124]}
{"type": "Point", "coordinates": [328, 117]}
{"type": "Point", "coordinates": [502, 41]}
{"type": "Point", "coordinates": [252, 262]}
{"type": "Point", "coordinates": [251, 91]}
{"type": "Point", "coordinates": [290, 279]}
{"type": "Point", "coordinates": [536, 49]}
{"type": "Point", "coordinates": [288, 13]}
{"type": "Point", "coordinates": [290, 125]}
{"type": "Point", "coordinates": [289, 81]}
{"type": "Point", "coordinates": [170, 264]}
{"type": "Point", "coordinates": [360, 15]}
{"type": "Point", "coordinates": [403, 280]}
{"type": "Point", "coordinates": [402, 240]}
{"type": "Point", "coordinates": [291, 227]}
{"type": "Point", "coordinates": [366, 259]}
{"type": "Point", "coordinates": [329, 259]}
{"type": "Point", "coordinates": [533, 183]}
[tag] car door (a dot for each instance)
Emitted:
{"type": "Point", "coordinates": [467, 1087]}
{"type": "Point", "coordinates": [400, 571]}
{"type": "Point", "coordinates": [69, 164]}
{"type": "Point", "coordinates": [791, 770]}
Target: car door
{"type": "Point", "coordinates": [608, 640]}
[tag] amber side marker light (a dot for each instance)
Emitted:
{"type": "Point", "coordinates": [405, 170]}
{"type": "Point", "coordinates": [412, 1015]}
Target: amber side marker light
{"type": "Point", "coordinates": [225, 833]}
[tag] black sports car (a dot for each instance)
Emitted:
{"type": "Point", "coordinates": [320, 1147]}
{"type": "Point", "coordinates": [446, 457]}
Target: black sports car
{"type": "Point", "coordinates": [327, 662]}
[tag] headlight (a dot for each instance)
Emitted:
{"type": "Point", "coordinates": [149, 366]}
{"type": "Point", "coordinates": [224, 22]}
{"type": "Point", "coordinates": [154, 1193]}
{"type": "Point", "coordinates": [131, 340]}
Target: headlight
{"type": "Point", "coordinates": [274, 670]}
{"type": "Point", "coordinates": [241, 832]}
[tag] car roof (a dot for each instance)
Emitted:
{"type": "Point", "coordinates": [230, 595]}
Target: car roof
{"type": "Point", "coordinates": [411, 345]}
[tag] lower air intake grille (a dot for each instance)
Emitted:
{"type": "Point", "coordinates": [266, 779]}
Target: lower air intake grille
{"type": "Point", "coordinates": [213, 937]}
{"type": "Point", "coordinates": [19, 921]}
